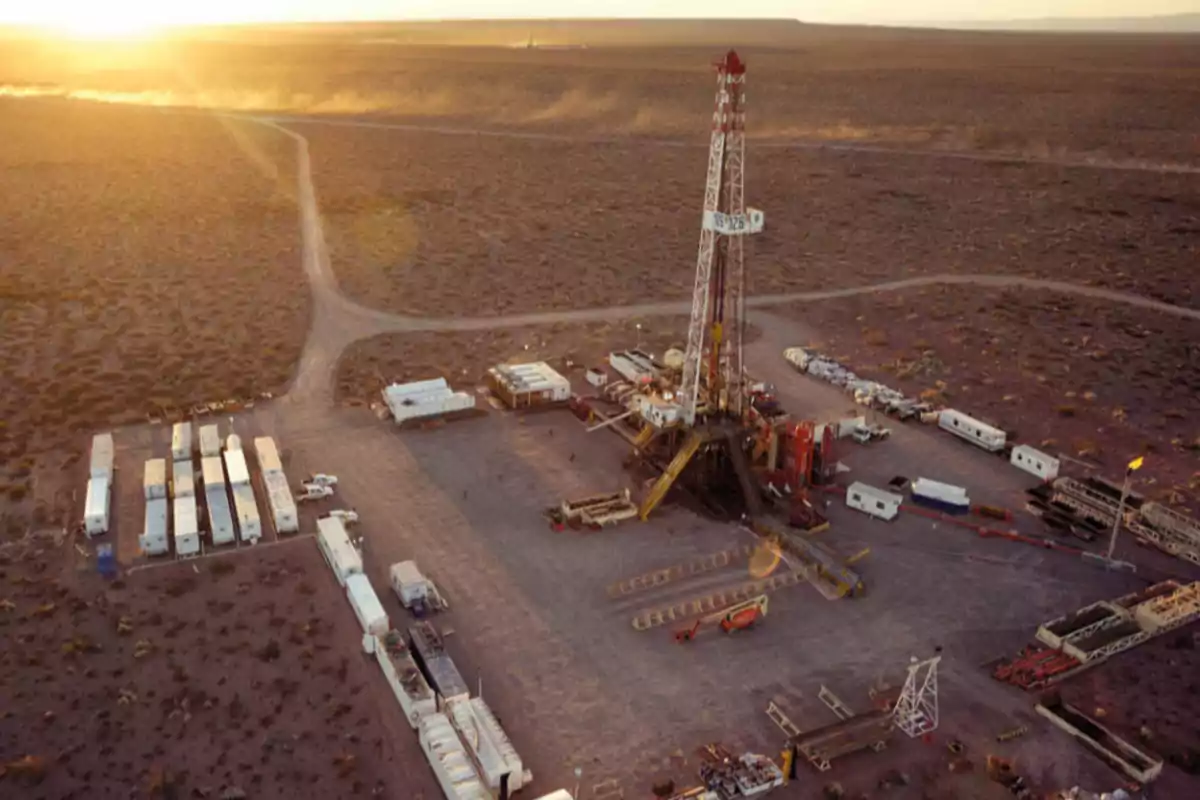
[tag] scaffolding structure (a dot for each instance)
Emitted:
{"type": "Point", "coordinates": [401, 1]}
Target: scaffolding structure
{"type": "Point", "coordinates": [916, 711]}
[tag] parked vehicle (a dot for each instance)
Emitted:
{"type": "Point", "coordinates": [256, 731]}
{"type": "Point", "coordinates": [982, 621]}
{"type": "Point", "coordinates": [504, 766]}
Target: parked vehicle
{"type": "Point", "coordinates": [416, 592]}
{"type": "Point", "coordinates": [322, 479]}
{"type": "Point", "coordinates": [348, 516]}
{"type": "Point", "coordinates": [313, 491]}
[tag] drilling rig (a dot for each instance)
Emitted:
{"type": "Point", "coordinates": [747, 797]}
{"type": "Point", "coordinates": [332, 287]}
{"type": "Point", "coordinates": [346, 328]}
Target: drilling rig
{"type": "Point", "coordinates": [699, 436]}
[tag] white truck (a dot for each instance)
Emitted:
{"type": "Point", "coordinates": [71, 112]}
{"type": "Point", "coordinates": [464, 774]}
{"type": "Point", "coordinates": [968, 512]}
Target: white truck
{"type": "Point", "coordinates": [416, 592]}
{"type": "Point", "coordinates": [321, 479]}
{"type": "Point", "coordinates": [313, 491]}
{"type": "Point", "coordinates": [348, 516]}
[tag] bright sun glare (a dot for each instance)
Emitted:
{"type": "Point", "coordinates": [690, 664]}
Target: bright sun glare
{"type": "Point", "coordinates": [96, 24]}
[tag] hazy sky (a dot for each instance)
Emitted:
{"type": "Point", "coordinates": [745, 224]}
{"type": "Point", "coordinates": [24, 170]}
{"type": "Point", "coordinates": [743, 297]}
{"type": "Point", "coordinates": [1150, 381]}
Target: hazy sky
{"type": "Point", "coordinates": [116, 13]}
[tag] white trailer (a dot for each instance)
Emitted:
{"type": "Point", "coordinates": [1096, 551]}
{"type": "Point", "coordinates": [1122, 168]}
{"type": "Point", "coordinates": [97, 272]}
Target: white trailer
{"type": "Point", "coordinates": [268, 456]}
{"type": "Point", "coordinates": [220, 520]}
{"type": "Point", "coordinates": [876, 502]}
{"type": "Point", "coordinates": [103, 454]}
{"type": "Point", "coordinates": [279, 498]}
{"type": "Point", "coordinates": [366, 605]}
{"type": "Point", "coordinates": [245, 508]}
{"type": "Point", "coordinates": [210, 441]}
{"type": "Point", "coordinates": [404, 676]}
{"type": "Point", "coordinates": [154, 480]}
{"type": "Point", "coordinates": [335, 545]}
{"type": "Point", "coordinates": [449, 760]}
{"type": "Point", "coordinates": [1035, 462]}
{"type": "Point", "coordinates": [212, 472]}
{"type": "Point", "coordinates": [235, 466]}
{"type": "Point", "coordinates": [413, 588]}
{"type": "Point", "coordinates": [977, 433]}
{"type": "Point", "coordinates": [154, 540]}
{"type": "Point", "coordinates": [183, 479]}
{"type": "Point", "coordinates": [95, 512]}
{"type": "Point", "coordinates": [181, 441]}
{"type": "Point", "coordinates": [187, 527]}
{"type": "Point", "coordinates": [493, 753]}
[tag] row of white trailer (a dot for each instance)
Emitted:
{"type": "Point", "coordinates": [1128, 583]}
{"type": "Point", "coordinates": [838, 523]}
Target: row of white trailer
{"type": "Point", "coordinates": [98, 501]}
{"type": "Point", "coordinates": [994, 440]}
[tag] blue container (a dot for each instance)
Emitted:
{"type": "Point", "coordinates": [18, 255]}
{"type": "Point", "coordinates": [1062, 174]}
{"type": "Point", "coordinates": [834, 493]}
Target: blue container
{"type": "Point", "coordinates": [106, 561]}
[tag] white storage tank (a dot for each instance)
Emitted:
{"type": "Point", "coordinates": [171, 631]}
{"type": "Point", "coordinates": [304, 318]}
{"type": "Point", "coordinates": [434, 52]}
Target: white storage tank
{"type": "Point", "coordinates": [154, 480]}
{"type": "Point", "coordinates": [1035, 462]}
{"type": "Point", "coordinates": [246, 509]}
{"type": "Point", "coordinates": [220, 520]}
{"type": "Point", "coordinates": [235, 467]}
{"type": "Point", "coordinates": [876, 502]}
{"type": "Point", "coordinates": [449, 760]}
{"type": "Point", "coordinates": [181, 441]}
{"type": "Point", "coordinates": [366, 605]}
{"type": "Point", "coordinates": [335, 545]}
{"type": "Point", "coordinates": [103, 454]}
{"type": "Point", "coordinates": [268, 456]}
{"type": "Point", "coordinates": [213, 472]}
{"type": "Point", "coordinates": [210, 441]}
{"type": "Point", "coordinates": [978, 433]}
{"type": "Point", "coordinates": [183, 479]}
{"type": "Point", "coordinates": [279, 498]}
{"type": "Point", "coordinates": [154, 540]}
{"type": "Point", "coordinates": [95, 512]}
{"type": "Point", "coordinates": [187, 527]}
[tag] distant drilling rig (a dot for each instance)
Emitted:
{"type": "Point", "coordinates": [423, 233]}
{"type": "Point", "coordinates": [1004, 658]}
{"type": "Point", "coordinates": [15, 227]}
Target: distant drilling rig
{"type": "Point", "coordinates": [700, 435]}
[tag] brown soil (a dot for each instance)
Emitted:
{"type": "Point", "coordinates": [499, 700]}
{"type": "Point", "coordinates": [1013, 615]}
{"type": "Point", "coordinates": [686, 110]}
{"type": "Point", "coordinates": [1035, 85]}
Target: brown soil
{"type": "Point", "coordinates": [525, 225]}
{"type": "Point", "coordinates": [1096, 381]}
{"type": "Point", "coordinates": [247, 673]}
{"type": "Point", "coordinates": [149, 262]}
{"type": "Point", "coordinates": [463, 358]}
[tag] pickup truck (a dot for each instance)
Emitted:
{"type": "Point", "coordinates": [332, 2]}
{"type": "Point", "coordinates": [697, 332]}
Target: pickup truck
{"type": "Point", "coordinates": [322, 479]}
{"type": "Point", "coordinates": [313, 491]}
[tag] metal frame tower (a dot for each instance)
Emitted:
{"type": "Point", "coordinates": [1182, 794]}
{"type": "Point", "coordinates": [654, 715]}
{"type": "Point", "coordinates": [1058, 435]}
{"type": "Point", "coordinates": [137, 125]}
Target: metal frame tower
{"type": "Point", "coordinates": [712, 367]}
{"type": "Point", "coordinates": [916, 711]}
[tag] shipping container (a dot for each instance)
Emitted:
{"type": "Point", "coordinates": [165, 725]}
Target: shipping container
{"type": "Point", "coordinates": [494, 755]}
{"type": "Point", "coordinates": [154, 480]}
{"type": "Point", "coordinates": [279, 498]}
{"type": "Point", "coordinates": [235, 467]}
{"type": "Point", "coordinates": [942, 496]}
{"type": "Point", "coordinates": [404, 676]}
{"type": "Point", "coordinates": [187, 527]}
{"type": "Point", "coordinates": [876, 502]}
{"type": "Point", "coordinates": [154, 540]}
{"type": "Point", "coordinates": [1035, 462]}
{"type": "Point", "coordinates": [183, 480]}
{"type": "Point", "coordinates": [95, 513]}
{"type": "Point", "coordinates": [213, 472]}
{"type": "Point", "coordinates": [210, 440]}
{"type": "Point", "coordinates": [220, 518]}
{"type": "Point", "coordinates": [268, 456]}
{"type": "Point", "coordinates": [429, 652]}
{"type": "Point", "coordinates": [977, 433]}
{"type": "Point", "coordinates": [366, 605]}
{"type": "Point", "coordinates": [181, 441]}
{"type": "Point", "coordinates": [448, 758]}
{"type": "Point", "coordinates": [245, 508]}
{"type": "Point", "coordinates": [103, 454]}
{"type": "Point", "coordinates": [335, 545]}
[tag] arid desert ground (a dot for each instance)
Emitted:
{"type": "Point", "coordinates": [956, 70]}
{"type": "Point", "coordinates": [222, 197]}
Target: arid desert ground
{"type": "Point", "coordinates": [151, 260]}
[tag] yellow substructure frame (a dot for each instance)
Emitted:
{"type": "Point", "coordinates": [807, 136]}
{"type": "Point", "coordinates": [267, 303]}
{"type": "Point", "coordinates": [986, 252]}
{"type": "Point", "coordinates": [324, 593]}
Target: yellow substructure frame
{"type": "Point", "coordinates": [671, 473]}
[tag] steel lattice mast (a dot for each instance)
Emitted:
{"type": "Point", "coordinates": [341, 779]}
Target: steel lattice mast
{"type": "Point", "coordinates": [712, 369]}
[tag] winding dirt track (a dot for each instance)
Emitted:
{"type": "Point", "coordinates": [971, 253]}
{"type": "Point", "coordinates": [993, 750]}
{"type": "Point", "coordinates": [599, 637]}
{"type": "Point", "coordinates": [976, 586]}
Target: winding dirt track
{"type": "Point", "coordinates": [338, 321]}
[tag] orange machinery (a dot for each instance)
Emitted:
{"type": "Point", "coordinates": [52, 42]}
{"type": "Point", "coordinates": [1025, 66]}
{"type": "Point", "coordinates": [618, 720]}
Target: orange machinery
{"type": "Point", "coordinates": [737, 617]}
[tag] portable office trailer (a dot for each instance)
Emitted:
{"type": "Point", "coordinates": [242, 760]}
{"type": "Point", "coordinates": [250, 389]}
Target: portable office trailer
{"type": "Point", "coordinates": [977, 433]}
{"type": "Point", "coordinates": [235, 467]}
{"type": "Point", "coordinates": [279, 498]}
{"type": "Point", "coordinates": [210, 440]}
{"type": "Point", "coordinates": [103, 454]}
{"type": "Point", "coordinates": [212, 472]}
{"type": "Point", "coordinates": [183, 479]}
{"type": "Point", "coordinates": [942, 496]}
{"type": "Point", "coordinates": [245, 508]}
{"type": "Point", "coordinates": [154, 478]}
{"type": "Point", "coordinates": [366, 605]}
{"type": "Point", "coordinates": [335, 545]}
{"type": "Point", "coordinates": [430, 654]}
{"type": "Point", "coordinates": [268, 456]}
{"type": "Point", "coordinates": [876, 502]}
{"type": "Point", "coordinates": [404, 676]}
{"type": "Point", "coordinates": [154, 540]}
{"type": "Point", "coordinates": [181, 441]}
{"type": "Point", "coordinates": [449, 760]}
{"type": "Point", "coordinates": [95, 512]}
{"type": "Point", "coordinates": [1035, 462]}
{"type": "Point", "coordinates": [187, 527]}
{"type": "Point", "coordinates": [220, 520]}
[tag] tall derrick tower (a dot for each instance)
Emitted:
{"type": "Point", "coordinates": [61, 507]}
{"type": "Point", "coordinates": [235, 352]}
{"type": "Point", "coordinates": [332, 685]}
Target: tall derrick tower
{"type": "Point", "coordinates": [712, 368]}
